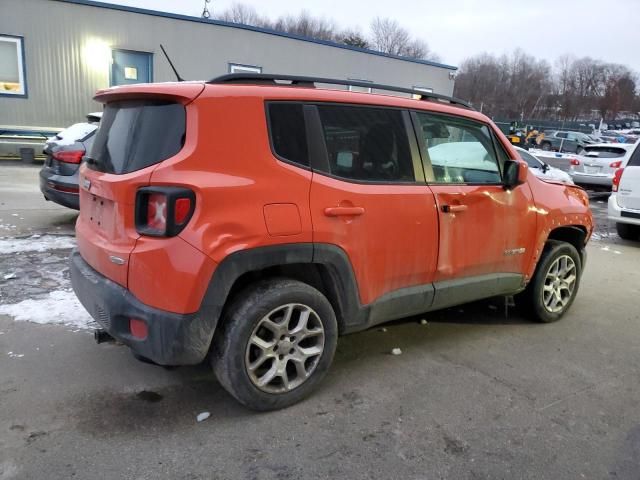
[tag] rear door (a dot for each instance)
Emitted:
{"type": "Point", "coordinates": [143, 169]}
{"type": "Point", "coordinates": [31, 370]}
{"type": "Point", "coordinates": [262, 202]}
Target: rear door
{"type": "Point", "coordinates": [134, 135]}
{"type": "Point", "coordinates": [369, 198]}
{"type": "Point", "coordinates": [484, 228]}
{"type": "Point", "coordinates": [628, 196]}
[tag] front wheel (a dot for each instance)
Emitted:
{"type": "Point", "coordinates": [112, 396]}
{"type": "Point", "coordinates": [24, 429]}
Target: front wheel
{"type": "Point", "coordinates": [555, 283]}
{"type": "Point", "coordinates": [275, 344]}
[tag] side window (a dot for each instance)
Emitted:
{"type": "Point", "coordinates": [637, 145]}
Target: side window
{"type": "Point", "coordinates": [458, 150]}
{"type": "Point", "coordinates": [561, 134]}
{"type": "Point", "coordinates": [287, 130]}
{"type": "Point", "coordinates": [366, 143]}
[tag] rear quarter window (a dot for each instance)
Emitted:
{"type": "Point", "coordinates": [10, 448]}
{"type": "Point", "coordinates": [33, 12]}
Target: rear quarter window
{"type": "Point", "coordinates": [287, 132]}
{"type": "Point", "coordinates": [135, 134]}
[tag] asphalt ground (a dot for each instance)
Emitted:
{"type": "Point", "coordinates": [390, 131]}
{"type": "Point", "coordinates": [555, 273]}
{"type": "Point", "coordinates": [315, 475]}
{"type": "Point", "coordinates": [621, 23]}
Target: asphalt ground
{"type": "Point", "coordinates": [478, 393]}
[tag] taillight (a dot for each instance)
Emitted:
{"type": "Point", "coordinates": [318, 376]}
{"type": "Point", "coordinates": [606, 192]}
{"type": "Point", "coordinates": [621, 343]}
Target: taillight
{"type": "Point", "coordinates": [575, 162]}
{"type": "Point", "coordinates": [69, 156]}
{"type": "Point", "coordinates": [615, 164]}
{"type": "Point", "coordinates": [616, 179]}
{"type": "Point", "coordinates": [163, 211]}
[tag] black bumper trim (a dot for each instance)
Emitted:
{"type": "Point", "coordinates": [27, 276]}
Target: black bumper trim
{"type": "Point", "coordinates": [173, 339]}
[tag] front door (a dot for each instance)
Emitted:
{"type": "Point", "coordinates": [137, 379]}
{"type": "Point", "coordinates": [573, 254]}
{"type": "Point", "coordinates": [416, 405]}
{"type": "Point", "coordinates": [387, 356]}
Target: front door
{"type": "Point", "coordinates": [129, 67]}
{"type": "Point", "coordinates": [484, 228]}
{"type": "Point", "coordinates": [368, 197]}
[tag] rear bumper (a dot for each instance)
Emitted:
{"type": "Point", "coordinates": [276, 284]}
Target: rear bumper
{"type": "Point", "coordinates": [580, 178]}
{"type": "Point", "coordinates": [48, 181]}
{"type": "Point", "coordinates": [173, 339]}
{"type": "Point", "coordinates": [615, 212]}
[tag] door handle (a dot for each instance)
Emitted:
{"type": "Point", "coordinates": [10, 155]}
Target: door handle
{"type": "Point", "coordinates": [454, 208]}
{"type": "Point", "coordinates": [343, 211]}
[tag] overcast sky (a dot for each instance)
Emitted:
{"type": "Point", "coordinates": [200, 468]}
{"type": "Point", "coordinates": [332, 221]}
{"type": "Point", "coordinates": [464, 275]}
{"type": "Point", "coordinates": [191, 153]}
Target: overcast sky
{"type": "Point", "coordinates": [455, 29]}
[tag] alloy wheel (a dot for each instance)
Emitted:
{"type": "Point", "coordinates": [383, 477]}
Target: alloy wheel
{"type": "Point", "coordinates": [284, 348]}
{"type": "Point", "coordinates": [559, 284]}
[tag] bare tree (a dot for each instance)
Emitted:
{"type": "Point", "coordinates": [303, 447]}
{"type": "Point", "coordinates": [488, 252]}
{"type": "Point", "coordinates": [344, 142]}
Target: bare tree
{"type": "Point", "coordinates": [354, 38]}
{"type": "Point", "coordinates": [241, 13]}
{"type": "Point", "coordinates": [306, 25]}
{"type": "Point", "coordinates": [388, 36]}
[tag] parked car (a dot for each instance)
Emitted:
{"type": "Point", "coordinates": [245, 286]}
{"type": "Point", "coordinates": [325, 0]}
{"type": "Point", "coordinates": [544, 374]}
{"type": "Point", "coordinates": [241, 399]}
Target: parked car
{"type": "Point", "coordinates": [624, 202]}
{"type": "Point", "coordinates": [64, 153]}
{"type": "Point", "coordinates": [595, 168]}
{"type": "Point", "coordinates": [308, 213]}
{"type": "Point", "coordinates": [541, 169]}
{"type": "Point", "coordinates": [573, 142]}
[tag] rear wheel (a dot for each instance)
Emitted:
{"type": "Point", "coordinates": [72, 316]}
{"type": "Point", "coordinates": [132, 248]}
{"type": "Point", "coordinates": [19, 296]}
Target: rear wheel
{"type": "Point", "coordinates": [276, 343]}
{"type": "Point", "coordinates": [546, 146]}
{"type": "Point", "coordinates": [554, 284]}
{"type": "Point", "coordinates": [628, 232]}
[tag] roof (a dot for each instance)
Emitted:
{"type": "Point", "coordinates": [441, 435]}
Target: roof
{"type": "Point", "coordinates": [267, 31]}
{"type": "Point", "coordinates": [187, 91]}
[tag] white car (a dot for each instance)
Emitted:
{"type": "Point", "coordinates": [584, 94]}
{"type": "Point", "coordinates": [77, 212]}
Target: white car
{"type": "Point", "coordinates": [624, 202]}
{"type": "Point", "coordinates": [541, 169]}
{"type": "Point", "coordinates": [594, 169]}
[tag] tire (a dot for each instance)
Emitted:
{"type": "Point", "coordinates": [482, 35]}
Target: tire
{"type": "Point", "coordinates": [546, 146]}
{"type": "Point", "coordinates": [579, 150]}
{"type": "Point", "coordinates": [544, 305]}
{"type": "Point", "coordinates": [628, 232]}
{"type": "Point", "coordinates": [254, 327]}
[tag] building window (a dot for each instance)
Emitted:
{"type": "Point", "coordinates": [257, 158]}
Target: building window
{"type": "Point", "coordinates": [238, 68]}
{"type": "Point", "coordinates": [354, 88]}
{"type": "Point", "coordinates": [13, 80]}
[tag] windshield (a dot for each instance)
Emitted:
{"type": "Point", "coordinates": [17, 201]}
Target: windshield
{"type": "Point", "coordinates": [135, 134]}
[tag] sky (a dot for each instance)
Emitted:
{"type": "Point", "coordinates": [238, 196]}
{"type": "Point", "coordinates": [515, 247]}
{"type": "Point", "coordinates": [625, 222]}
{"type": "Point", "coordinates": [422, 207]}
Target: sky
{"type": "Point", "coordinates": [608, 30]}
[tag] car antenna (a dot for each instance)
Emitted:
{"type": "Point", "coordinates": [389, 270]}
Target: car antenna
{"type": "Point", "coordinates": [180, 79]}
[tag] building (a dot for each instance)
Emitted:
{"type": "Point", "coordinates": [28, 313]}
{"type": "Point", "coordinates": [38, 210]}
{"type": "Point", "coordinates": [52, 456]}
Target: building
{"type": "Point", "coordinates": [54, 55]}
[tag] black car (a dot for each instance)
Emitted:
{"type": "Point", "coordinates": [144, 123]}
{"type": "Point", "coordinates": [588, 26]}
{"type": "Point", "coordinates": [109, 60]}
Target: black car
{"type": "Point", "coordinates": [59, 175]}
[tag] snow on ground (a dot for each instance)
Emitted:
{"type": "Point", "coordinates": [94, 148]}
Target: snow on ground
{"type": "Point", "coordinates": [58, 307]}
{"type": "Point", "coordinates": [36, 243]}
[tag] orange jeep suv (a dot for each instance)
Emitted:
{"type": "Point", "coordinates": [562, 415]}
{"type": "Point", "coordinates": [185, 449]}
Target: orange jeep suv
{"type": "Point", "coordinates": [252, 219]}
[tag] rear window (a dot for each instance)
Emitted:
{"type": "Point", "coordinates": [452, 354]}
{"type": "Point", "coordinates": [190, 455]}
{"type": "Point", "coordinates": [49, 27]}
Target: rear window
{"type": "Point", "coordinates": [75, 133]}
{"type": "Point", "coordinates": [135, 134]}
{"type": "Point", "coordinates": [606, 152]}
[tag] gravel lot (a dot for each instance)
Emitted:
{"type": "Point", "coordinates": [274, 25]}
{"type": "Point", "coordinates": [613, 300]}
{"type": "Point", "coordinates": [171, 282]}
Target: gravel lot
{"type": "Point", "coordinates": [475, 394]}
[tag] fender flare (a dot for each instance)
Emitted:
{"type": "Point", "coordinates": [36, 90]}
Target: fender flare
{"type": "Point", "coordinates": [342, 285]}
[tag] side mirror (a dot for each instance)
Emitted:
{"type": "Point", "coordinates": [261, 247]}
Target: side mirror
{"type": "Point", "coordinates": [515, 173]}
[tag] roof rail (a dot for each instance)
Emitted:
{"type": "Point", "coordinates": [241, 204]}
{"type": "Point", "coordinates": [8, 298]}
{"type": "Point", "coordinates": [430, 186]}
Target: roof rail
{"type": "Point", "coordinates": [298, 81]}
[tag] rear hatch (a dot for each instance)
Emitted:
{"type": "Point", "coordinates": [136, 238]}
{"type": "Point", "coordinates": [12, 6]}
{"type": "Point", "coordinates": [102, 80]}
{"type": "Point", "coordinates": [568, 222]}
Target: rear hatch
{"type": "Point", "coordinates": [64, 151]}
{"type": "Point", "coordinates": [629, 188]}
{"type": "Point", "coordinates": [602, 159]}
{"type": "Point", "coordinates": [141, 126]}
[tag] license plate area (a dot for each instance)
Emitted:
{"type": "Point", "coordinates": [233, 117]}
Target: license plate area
{"type": "Point", "coordinates": [591, 170]}
{"type": "Point", "coordinates": [100, 214]}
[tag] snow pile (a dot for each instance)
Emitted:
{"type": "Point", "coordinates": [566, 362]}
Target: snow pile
{"type": "Point", "coordinates": [58, 307]}
{"type": "Point", "coordinates": [36, 243]}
